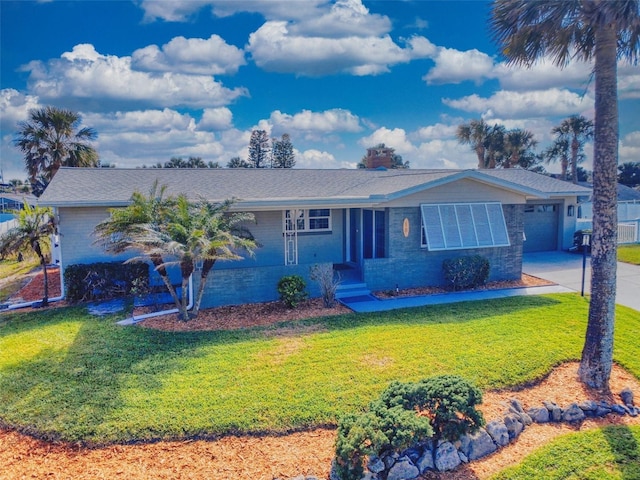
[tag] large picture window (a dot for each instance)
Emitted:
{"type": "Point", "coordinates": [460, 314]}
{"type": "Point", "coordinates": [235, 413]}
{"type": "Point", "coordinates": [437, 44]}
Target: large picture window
{"type": "Point", "coordinates": [308, 220]}
{"type": "Point", "coordinates": [454, 226]}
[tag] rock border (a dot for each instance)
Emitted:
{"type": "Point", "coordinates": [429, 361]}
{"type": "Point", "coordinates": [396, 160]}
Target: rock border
{"type": "Point", "coordinates": [420, 458]}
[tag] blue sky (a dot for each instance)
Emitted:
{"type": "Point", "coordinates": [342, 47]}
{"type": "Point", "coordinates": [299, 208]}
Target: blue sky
{"type": "Point", "coordinates": [159, 79]}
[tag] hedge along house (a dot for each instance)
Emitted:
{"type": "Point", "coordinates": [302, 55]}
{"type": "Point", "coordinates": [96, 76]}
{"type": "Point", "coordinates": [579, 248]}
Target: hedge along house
{"type": "Point", "coordinates": [383, 229]}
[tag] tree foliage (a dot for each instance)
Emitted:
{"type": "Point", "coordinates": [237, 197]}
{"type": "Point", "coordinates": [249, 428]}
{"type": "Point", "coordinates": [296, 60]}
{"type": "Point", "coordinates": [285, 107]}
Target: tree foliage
{"type": "Point", "coordinates": [574, 132]}
{"type": "Point", "coordinates": [174, 232]}
{"type": "Point", "coordinates": [191, 162]}
{"type": "Point", "coordinates": [259, 149]}
{"type": "Point", "coordinates": [602, 32]}
{"type": "Point", "coordinates": [33, 231]}
{"type": "Point", "coordinates": [629, 174]}
{"type": "Point", "coordinates": [237, 162]}
{"type": "Point", "coordinates": [50, 139]}
{"type": "Point", "coordinates": [282, 155]}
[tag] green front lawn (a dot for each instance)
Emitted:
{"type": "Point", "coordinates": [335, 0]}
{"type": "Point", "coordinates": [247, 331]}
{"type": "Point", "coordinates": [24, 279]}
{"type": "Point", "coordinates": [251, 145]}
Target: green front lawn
{"type": "Point", "coordinates": [64, 374]}
{"type": "Point", "coordinates": [607, 453]}
{"type": "Point", "coordinates": [629, 253]}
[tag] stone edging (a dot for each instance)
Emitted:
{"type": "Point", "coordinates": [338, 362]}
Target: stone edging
{"type": "Point", "coordinates": [419, 459]}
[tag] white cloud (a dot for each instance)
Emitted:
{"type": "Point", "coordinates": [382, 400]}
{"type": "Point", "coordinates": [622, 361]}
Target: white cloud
{"type": "Point", "coordinates": [140, 121]}
{"type": "Point", "coordinates": [455, 66]}
{"type": "Point", "coordinates": [544, 74]}
{"type": "Point", "coordinates": [510, 104]}
{"type": "Point", "coordinates": [628, 81]}
{"type": "Point", "coordinates": [396, 139]}
{"type": "Point", "coordinates": [440, 153]}
{"type": "Point", "coordinates": [274, 48]}
{"type": "Point", "coordinates": [315, 124]}
{"type": "Point", "coordinates": [84, 74]}
{"type": "Point", "coordinates": [212, 56]}
{"type": "Point", "coordinates": [313, 158]}
{"type": "Point", "coordinates": [629, 149]}
{"type": "Point", "coordinates": [14, 107]}
{"type": "Point", "coordinates": [216, 119]}
{"type": "Point", "coordinates": [437, 131]}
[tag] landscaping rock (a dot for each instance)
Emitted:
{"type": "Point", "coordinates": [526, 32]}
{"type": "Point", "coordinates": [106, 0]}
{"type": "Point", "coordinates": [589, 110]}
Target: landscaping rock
{"type": "Point", "coordinates": [446, 457]}
{"type": "Point", "coordinates": [619, 409]}
{"type": "Point", "coordinates": [390, 459]}
{"type": "Point", "coordinates": [375, 465]}
{"type": "Point", "coordinates": [498, 431]}
{"type": "Point", "coordinates": [514, 425]}
{"type": "Point", "coordinates": [573, 414]}
{"type": "Point", "coordinates": [413, 454]}
{"type": "Point", "coordinates": [404, 469]}
{"type": "Point", "coordinates": [477, 445]}
{"type": "Point", "coordinates": [589, 408]}
{"type": "Point", "coordinates": [539, 414]}
{"type": "Point", "coordinates": [516, 405]}
{"type": "Point", "coordinates": [555, 412]}
{"type": "Point", "coordinates": [626, 396]}
{"type": "Point", "coordinates": [425, 462]}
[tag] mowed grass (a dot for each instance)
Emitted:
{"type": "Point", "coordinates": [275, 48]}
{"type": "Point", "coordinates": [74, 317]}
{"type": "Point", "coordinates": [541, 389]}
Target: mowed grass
{"type": "Point", "coordinates": [601, 454]}
{"type": "Point", "coordinates": [629, 253]}
{"type": "Point", "coordinates": [13, 268]}
{"type": "Point", "coordinates": [66, 375]}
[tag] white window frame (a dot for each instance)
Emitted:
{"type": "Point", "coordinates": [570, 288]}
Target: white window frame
{"type": "Point", "coordinates": [462, 226]}
{"type": "Point", "coordinates": [304, 223]}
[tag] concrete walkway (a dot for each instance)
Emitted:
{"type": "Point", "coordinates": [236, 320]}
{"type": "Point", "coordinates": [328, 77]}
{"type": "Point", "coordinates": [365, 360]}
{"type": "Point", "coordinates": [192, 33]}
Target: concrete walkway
{"type": "Point", "coordinates": [566, 269]}
{"type": "Point", "coordinates": [369, 303]}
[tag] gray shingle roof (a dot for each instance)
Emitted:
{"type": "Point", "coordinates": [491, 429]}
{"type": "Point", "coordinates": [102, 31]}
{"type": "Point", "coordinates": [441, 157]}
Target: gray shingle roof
{"type": "Point", "coordinates": [270, 187]}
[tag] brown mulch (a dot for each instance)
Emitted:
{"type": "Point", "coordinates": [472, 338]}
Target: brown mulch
{"type": "Point", "coordinates": [284, 456]}
{"type": "Point", "coordinates": [33, 288]}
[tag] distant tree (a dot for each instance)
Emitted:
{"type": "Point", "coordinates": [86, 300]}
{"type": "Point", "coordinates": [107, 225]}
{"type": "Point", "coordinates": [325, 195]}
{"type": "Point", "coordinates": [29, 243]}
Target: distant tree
{"type": "Point", "coordinates": [34, 229]}
{"type": "Point", "coordinates": [576, 130]}
{"type": "Point", "coordinates": [237, 162]}
{"type": "Point", "coordinates": [282, 155]}
{"type": "Point", "coordinates": [211, 164]}
{"type": "Point", "coordinates": [50, 140]}
{"type": "Point", "coordinates": [259, 149]}
{"type": "Point", "coordinates": [603, 32]}
{"type": "Point", "coordinates": [558, 151]}
{"type": "Point", "coordinates": [475, 134]}
{"type": "Point", "coordinates": [495, 146]}
{"type": "Point", "coordinates": [629, 174]}
{"type": "Point", "coordinates": [583, 174]}
{"type": "Point", "coordinates": [518, 146]}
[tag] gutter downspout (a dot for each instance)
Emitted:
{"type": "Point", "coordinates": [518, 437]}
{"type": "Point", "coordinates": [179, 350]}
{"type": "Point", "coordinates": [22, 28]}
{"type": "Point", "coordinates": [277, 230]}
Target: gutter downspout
{"type": "Point", "coordinates": [135, 319]}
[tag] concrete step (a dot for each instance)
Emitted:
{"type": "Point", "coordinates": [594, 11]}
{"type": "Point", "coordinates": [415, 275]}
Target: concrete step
{"type": "Point", "coordinates": [352, 290]}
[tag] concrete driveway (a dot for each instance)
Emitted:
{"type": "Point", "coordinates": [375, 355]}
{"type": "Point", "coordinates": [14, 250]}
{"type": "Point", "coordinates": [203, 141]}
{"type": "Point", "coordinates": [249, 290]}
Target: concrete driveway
{"type": "Point", "coordinates": [566, 269]}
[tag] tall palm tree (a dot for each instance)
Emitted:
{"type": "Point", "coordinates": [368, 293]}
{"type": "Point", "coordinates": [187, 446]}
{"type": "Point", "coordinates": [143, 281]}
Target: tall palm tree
{"type": "Point", "coordinates": [495, 145]}
{"type": "Point", "coordinates": [559, 150]}
{"type": "Point", "coordinates": [33, 230]}
{"type": "Point", "coordinates": [518, 144]}
{"type": "Point", "coordinates": [50, 140]}
{"type": "Point", "coordinates": [475, 134]}
{"type": "Point", "coordinates": [602, 31]}
{"type": "Point", "coordinates": [171, 231]}
{"type": "Point", "coordinates": [577, 130]}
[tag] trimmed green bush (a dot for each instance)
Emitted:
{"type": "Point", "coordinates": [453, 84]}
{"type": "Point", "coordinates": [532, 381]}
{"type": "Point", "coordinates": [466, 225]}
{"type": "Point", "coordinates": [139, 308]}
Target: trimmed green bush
{"type": "Point", "coordinates": [100, 281]}
{"type": "Point", "coordinates": [466, 272]}
{"type": "Point", "coordinates": [292, 290]}
{"type": "Point", "coordinates": [406, 413]}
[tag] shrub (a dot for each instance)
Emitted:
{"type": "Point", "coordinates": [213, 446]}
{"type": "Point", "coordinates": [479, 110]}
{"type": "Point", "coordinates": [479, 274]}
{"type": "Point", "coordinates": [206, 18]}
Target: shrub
{"type": "Point", "coordinates": [328, 282]}
{"type": "Point", "coordinates": [99, 281]}
{"type": "Point", "coordinates": [466, 272]}
{"type": "Point", "coordinates": [441, 407]}
{"type": "Point", "coordinates": [292, 290]}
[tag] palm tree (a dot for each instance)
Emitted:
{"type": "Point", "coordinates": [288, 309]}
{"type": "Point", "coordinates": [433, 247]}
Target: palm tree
{"type": "Point", "coordinates": [34, 229]}
{"type": "Point", "coordinates": [175, 232]}
{"type": "Point", "coordinates": [518, 144]}
{"type": "Point", "coordinates": [495, 146]}
{"type": "Point", "coordinates": [559, 150]}
{"type": "Point", "coordinates": [50, 140]}
{"type": "Point", "coordinates": [577, 130]}
{"type": "Point", "coordinates": [602, 31]}
{"type": "Point", "coordinates": [475, 134]}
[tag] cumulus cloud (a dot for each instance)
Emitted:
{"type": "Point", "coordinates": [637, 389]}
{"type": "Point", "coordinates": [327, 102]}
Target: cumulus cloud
{"type": "Point", "coordinates": [216, 119]}
{"type": "Point", "coordinates": [455, 66]}
{"type": "Point", "coordinates": [314, 124]}
{"type": "Point", "coordinates": [85, 74]}
{"type": "Point", "coordinates": [504, 103]}
{"type": "Point", "coordinates": [14, 107]}
{"type": "Point", "coordinates": [199, 56]}
{"type": "Point", "coordinates": [437, 131]}
{"type": "Point", "coordinates": [629, 149]}
{"type": "Point", "coordinates": [396, 139]}
{"type": "Point", "coordinates": [313, 158]}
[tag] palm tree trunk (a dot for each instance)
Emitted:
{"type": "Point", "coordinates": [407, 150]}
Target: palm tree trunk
{"type": "Point", "coordinates": [480, 155]}
{"type": "Point", "coordinates": [207, 265]}
{"type": "Point", "coordinates": [597, 354]}
{"type": "Point", "coordinates": [162, 271]}
{"type": "Point", "coordinates": [564, 165]}
{"type": "Point", "coordinates": [43, 262]}
{"type": "Point", "coordinates": [575, 146]}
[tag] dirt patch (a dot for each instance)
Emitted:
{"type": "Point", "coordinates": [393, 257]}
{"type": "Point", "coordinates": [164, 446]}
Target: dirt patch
{"type": "Point", "coordinates": [286, 456]}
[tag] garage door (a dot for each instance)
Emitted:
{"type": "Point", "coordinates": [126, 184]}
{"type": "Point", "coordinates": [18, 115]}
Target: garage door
{"type": "Point", "coordinates": [540, 227]}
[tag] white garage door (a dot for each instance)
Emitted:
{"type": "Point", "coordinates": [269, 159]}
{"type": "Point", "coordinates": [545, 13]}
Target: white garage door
{"type": "Point", "coordinates": [541, 227]}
